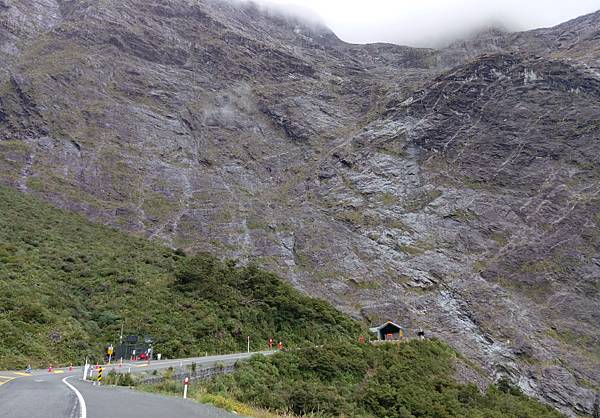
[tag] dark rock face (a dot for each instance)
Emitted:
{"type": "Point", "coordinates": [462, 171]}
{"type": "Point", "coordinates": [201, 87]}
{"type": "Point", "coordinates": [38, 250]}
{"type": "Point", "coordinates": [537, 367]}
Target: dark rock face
{"type": "Point", "coordinates": [453, 189]}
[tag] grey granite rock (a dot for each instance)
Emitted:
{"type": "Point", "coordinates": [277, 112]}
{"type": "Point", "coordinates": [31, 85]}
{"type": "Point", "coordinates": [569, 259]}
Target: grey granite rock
{"type": "Point", "coordinates": [453, 189]}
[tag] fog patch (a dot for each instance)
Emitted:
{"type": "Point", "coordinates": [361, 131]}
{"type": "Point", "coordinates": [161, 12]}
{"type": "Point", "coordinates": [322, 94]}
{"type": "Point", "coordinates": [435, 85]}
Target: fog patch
{"type": "Point", "coordinates": [427, 23]}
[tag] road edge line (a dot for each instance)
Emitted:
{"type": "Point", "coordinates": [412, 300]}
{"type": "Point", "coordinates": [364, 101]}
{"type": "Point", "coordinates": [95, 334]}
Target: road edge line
{"type": "Point", "coordinates": [82, 407]}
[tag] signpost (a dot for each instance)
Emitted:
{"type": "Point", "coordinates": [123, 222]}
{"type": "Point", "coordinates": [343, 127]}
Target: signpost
{"type": "Point", "coordinates": [186, 382]}
{"type": "Point", "coordinates": [110, 350]}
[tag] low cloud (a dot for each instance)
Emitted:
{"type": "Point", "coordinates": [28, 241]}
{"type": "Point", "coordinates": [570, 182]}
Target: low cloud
{"type": "Point", "coordinates": [431, 22]}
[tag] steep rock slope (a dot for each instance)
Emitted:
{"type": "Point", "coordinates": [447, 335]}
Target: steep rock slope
{"type": "Point", "coordinates": [448, 189]}
{"type": "Point", "coordinates": [576, 39]}
{"type": "Point", "coordinates": [501, 219]}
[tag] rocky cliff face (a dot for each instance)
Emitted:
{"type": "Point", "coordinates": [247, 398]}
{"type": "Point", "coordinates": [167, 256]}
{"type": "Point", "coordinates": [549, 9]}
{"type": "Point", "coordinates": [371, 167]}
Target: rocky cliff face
{"type": "Point", "coordinates": [453, 189]}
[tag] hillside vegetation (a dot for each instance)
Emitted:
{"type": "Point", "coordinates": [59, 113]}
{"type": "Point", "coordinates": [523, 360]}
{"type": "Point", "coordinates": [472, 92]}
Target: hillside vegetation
{"type": "Point", "coordinates": [415, 379]}
{"type": "Point", "coordinates": [67, 286]}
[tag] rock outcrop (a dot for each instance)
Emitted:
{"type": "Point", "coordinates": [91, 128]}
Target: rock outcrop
{"type": "Point", "coordinates": [453, 189]}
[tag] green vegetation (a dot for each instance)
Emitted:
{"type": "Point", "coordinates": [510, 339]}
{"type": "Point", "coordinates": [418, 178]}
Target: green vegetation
{"type": "Point", "coordinates": [414, 379]}
{"type": "Point", "coordinates": [119, 379]}
{"type": "Point", "coordinates": [421, 200]}
{"type": "Point", "coordinates": [198, 393]}
{"type": "Point", "coordinates": [354, 217]}
{"type": "Point", "coordinates": [463, 215]}
{"type": "Point", "coordinates": [67, 286]}
{"type": "Point", "coordinates": [388, 199]}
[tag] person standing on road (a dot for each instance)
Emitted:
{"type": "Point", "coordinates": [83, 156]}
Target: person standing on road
{"type": "Point", "coordinates": [28, 369]}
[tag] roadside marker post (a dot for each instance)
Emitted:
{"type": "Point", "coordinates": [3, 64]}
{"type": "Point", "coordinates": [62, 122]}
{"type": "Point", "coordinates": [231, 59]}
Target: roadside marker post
{"type": "Point", "coordinates": [186, 382]}
{"type": "Point", "coordinates": [86, 367]}
{"type": "Point", "coordinates": [99, 378]}
{"type": "Point", "coordinates": [248, 343]}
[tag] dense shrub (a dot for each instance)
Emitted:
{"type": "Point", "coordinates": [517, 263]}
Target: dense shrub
{"type": "Point", "coordinates": [414, 379]}
{"type": "Point", "coordinates": [67, 286]}
{"type": "Point", "coordinates": [119, 379]}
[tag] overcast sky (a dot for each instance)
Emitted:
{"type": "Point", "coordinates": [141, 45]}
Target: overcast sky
{"type": "Point", "coordinates": [431, 22]}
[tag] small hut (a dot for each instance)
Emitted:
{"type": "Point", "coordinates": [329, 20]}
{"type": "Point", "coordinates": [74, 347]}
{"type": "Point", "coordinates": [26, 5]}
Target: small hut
{"type": "Point", "coordinates": [389, 331]}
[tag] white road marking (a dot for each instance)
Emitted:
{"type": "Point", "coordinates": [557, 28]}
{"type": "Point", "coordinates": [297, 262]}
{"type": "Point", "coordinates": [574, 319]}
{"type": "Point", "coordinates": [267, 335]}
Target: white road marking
{"type": "Point", "coordinates": [82, 407]}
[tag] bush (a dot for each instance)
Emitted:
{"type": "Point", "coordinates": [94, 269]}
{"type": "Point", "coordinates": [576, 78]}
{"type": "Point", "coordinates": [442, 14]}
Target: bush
{"type": "Point", "coordinates": [189, 304]}
{"type": "Point", "coordinates": [414, 379]}
{"type": "Point", "coordinates": [118, 379]}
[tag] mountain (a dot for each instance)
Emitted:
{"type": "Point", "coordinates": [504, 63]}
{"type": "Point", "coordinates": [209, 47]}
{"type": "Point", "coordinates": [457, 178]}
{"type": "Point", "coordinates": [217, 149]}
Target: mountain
{"type": "Point", "coordinates": [453, 189]}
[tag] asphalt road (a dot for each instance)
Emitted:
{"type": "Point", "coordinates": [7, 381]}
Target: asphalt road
{"type": "Point", "coordinates": [63, 394]}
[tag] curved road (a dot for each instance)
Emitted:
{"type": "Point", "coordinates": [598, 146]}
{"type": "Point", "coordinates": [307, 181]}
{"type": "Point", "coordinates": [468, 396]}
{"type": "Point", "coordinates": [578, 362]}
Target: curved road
{"type": "Point", "coordinates": [63, 394]}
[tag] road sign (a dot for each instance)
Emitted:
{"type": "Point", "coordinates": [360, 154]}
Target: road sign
{"type": "Point", "coordinates": [110, 350]}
